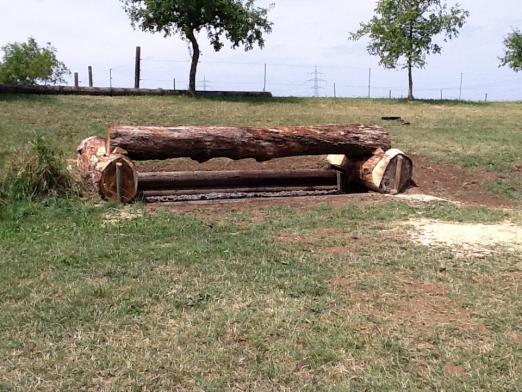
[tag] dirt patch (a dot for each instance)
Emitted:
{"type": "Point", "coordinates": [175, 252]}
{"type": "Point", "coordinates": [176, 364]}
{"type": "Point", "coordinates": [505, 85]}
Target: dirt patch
{"type": "Point", "coordinates": [453, 370]}
{"type": "Point", "coordinates": [182, 164]}
{"type": "Point", "coordinates": [406, 302]}
{"type": "Point", "coordinates": [468, 239]}
{"type": "Point", "coordinates": [445, 182]}
{"type": "Point", "coordinates": [456, 183]}
{"type": "Point", "coordinates": [123, 214]}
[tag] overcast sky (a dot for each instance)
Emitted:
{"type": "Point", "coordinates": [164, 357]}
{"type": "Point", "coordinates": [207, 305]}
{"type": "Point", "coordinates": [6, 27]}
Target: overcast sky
{"type": "Point", "coordinates": [306, 33]}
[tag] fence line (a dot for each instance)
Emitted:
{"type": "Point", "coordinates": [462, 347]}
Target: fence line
{"type": "Point", "coordinates": [292, 79]}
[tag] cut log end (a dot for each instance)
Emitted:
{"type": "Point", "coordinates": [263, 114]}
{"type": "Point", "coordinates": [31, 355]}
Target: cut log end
{"type": "Point", "coordinates": [109, 180]}
{"type": "Point", "coordinates": [97, 171]}
{"type": "Point", "coordinates": [387, 172]}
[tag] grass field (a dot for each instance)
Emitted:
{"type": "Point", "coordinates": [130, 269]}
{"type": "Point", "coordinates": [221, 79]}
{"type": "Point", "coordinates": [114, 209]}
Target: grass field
{"type": "Point", "coordinates": [324, 298]}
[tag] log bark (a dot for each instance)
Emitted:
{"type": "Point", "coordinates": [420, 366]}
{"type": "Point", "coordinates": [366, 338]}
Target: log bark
{"type": "Point", "coordinates": [97, 171]}
{"type": "Point", "coordinates": [262, 144]}
{"type": "Point", "coordinates": [245, 179]}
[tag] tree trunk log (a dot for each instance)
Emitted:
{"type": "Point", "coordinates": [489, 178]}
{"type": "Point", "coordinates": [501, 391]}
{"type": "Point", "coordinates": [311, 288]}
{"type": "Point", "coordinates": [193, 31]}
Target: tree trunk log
{"type": "Point", "coordinates": [244, 179]}
{"type": "Point", "coordinates": [97, 171]}
{"type": "Point", "coordinates": [262, 144]}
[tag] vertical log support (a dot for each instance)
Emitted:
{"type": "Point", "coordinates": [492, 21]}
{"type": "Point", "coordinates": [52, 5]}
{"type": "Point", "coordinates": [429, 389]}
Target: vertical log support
{"type": "Point", "coordinates": [119, 180]}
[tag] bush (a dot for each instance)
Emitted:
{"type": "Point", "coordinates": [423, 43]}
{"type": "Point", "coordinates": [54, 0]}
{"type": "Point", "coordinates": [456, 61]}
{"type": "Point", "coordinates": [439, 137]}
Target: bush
{"type": "Point", "coordinates": [36, 174]}
{"type": "Point", "coordinates": [27, 63]}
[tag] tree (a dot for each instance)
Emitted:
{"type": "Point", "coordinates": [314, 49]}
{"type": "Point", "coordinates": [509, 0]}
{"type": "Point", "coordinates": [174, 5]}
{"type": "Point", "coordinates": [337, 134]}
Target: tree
{"type": "Point", "coordinates": [513, 55]}
{"type": "Point", "coordinates": [27, 63]}
{"type": "Point", "coordinates": [402, 32]}
{"type": "Point", "coordinates": [238, 21]}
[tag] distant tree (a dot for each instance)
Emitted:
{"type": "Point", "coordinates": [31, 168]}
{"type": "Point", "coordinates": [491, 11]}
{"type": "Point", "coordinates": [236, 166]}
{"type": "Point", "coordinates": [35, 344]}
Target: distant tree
{"type": "Point", "coordinates": [26, 63]}
{"type": "Point", "coordinates": [237, 21]}
{"type": "Point", "coordinates": [513, 55]}
{"type": "Point", "coordinates": [402, 32]}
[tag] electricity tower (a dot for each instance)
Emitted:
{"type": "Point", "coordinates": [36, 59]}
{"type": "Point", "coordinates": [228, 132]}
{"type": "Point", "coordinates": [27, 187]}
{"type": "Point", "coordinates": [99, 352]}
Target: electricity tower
{"type": "Point", "coordinates": [317, 81]}
{"type": "Point", "coordinates": [204, 83]}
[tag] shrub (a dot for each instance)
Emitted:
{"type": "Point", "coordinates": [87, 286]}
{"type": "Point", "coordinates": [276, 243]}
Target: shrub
{"type": "Point", "coordinates": [27, 63]}
{"type": "Point", "coordinates": [35, 174]}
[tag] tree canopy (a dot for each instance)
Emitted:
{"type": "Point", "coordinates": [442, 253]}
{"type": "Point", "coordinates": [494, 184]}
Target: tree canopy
{"type": "Point", "coordinates": [237, 21]}
{"type": "Point", "coordinates": [513, 54]}
{"type": "Point", "coordinates": [402, 33]}
{"type": "Point", "coordinates": [27, 63]}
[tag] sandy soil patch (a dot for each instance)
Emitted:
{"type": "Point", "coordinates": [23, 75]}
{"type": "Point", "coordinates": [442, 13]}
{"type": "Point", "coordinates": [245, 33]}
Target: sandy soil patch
{"type": "Point", "coordinates": [468, 239]}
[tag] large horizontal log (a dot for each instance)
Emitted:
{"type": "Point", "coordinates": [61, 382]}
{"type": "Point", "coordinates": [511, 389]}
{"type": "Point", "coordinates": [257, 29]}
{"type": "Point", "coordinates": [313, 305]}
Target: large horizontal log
{"type": "Point", "coordinates": [225, 179]}
{"type": "Point", "coordinates": [262, 144]}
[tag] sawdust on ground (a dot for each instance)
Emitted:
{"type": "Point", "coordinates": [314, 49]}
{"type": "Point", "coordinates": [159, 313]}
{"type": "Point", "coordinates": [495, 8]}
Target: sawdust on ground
{"type": "Point", "coordinates": [468, 238]}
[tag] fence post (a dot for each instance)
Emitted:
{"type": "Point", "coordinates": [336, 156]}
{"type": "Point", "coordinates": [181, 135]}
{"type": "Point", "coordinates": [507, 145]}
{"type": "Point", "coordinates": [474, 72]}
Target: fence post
{"type": "Point", "coordinates": [91, 83]}
{"type": "Point", "coordinates": [370, 83]}
{"type": "Point", "coordinates": [76, 80]}
{"type": "Point", "coordinates": [264, 80]}
{"type": "Point", "coordinates": [137, 68]}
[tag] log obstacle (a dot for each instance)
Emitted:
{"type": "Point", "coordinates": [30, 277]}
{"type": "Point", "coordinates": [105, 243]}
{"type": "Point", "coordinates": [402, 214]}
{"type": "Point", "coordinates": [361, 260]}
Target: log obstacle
{"type": "Point", "coordinates": [261, 144]}
{"type": "Point", "coordinates": [358, 153]}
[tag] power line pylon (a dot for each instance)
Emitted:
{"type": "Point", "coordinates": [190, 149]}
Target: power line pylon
{"type": "Point", "coordinates": [316, 81]}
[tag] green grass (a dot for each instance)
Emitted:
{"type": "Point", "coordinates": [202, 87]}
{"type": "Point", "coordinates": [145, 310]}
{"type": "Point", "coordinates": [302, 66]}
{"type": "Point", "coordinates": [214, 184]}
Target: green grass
{"type": "Point", "coordinates": [165, 301]}
{"type": "Point", "coordinates": [326, 299]}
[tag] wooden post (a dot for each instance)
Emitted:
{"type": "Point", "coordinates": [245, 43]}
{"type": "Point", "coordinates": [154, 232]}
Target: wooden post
{"type": "Point", "coordinates": [91, 83]}
{"type": "Point", "coordinates": [398, 175]}
{"type": "Point", "coordinates": [342, 182]}
{"type": "Point", "coordinates": [137, 69]}
{"type": "Point", "coordinates": [76, 80]}
{"type": "Point", "coordinates": [119, 181]}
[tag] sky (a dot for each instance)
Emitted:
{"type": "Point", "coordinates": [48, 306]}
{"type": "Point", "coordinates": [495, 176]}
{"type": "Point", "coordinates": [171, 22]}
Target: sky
{"type": "Point", "coordinates": [306, 33]}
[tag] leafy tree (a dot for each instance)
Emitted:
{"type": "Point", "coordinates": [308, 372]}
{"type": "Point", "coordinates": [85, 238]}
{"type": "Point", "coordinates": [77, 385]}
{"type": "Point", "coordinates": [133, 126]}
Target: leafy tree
{"type": "Point", "coordinates": [513, 55]}
{"type": "Point", "coordinates": [239, 21]}
{"type": "Point", "coordinates": [27, 63]}
{"type": "Point", "coordinates": [402, 32]}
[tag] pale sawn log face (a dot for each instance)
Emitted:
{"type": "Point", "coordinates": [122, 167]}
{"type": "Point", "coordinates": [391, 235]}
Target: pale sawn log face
{"type": "Point", "coordinates": [96, 171]}
{"type": "Point", "coordinates": [262, 144]}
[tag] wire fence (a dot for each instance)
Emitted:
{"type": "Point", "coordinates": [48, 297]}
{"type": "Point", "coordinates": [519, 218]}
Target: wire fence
{"type": "Point", "coordinates": [305, 80]}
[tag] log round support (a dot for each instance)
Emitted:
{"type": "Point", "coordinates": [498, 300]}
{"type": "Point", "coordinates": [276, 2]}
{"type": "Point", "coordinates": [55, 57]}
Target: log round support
{"type": "Point", "coordinates": [97, 171]}
{"type": "Point", "coordinates": [384, 172]}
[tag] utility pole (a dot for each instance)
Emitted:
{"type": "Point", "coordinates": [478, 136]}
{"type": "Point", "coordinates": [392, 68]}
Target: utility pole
{"type": "Point", "coordinates": [110, 77]}
{"type": "Point", "coordinates": [316, 81]}
{"type": "Point", "coordinates": [137, 68]}
{"type": "Point", "coordinates": [76, 80]}
{"type": "Point", "coordinates": [370, 83]}
{"type": "Point", "coordinates": [91, 83]}
{"type": "Point", "coordinates": [335, 92]}
{"type": "Point", "coordinates": [264, 82]}
{"type": "Point", "coordinates": [460, 89]}
{"type": "Point", "coordinates": [441, 90]}
{"type": "Point", "coordinates": [174, 84]}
